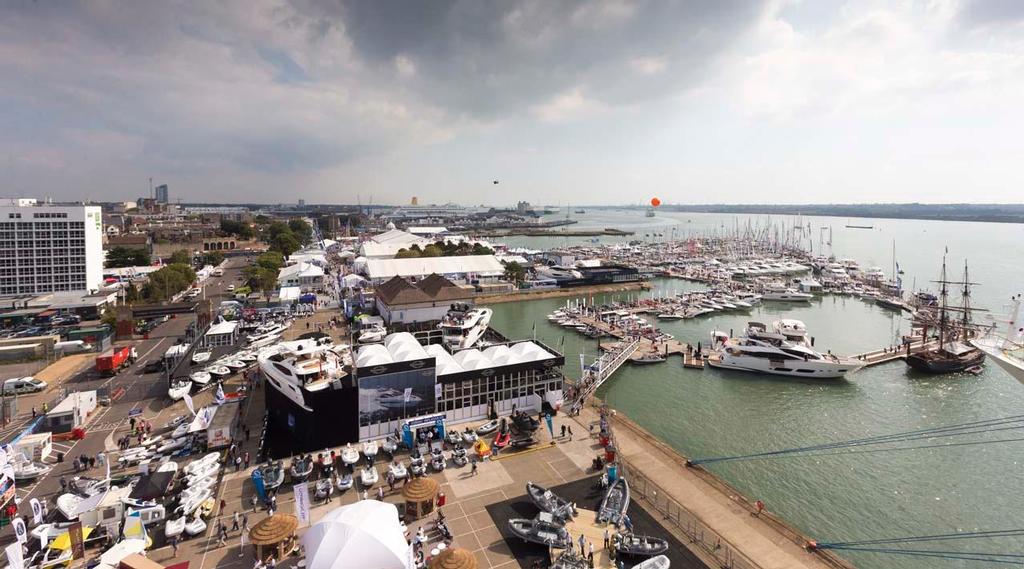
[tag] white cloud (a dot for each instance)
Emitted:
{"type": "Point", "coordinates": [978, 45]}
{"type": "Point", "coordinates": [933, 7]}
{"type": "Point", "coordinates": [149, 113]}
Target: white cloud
{"type": "Point", "coordinates": [649, 65]}
{"type": "Point", "coordinates": [569, 106]}
{"type": "Point", "coordinates": [405, 66]}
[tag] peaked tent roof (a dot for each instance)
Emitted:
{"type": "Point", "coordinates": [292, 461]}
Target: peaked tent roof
{"type": "Point", "coordinates": [364, 534]}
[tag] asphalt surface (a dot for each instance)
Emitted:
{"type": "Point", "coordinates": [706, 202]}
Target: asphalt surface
{"type": "Point", "coordinates": [130, 389]}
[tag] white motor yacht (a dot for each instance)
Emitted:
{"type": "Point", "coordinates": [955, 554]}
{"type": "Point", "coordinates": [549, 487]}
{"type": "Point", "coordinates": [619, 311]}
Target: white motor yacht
{"type": "Point", "coordinates": [178, 389]}
{"type": "Point", "coordinates": [25, 470]}
{"type": "Point", "coordinates": [1006, 349]}
{"type": "Point", "coordinates": [760, 351]}
{"type": "Point", "coordinates": [201, 356]}
{"type": "Point", "coordinates": [462, 326]}
{"type": "Point", "coordinates": [217, 370]}
{"type": "Point", "coordinates": [782, 293]}
{"type": "Point", "coordinates": [372, 334]}
{"type": "Point", "coordinates": [304, 370]}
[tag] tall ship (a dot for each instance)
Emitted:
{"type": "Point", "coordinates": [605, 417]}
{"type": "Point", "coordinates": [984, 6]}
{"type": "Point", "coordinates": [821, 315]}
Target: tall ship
{"type": "Point", "coordinates": [953, 352]}
{"type": "Point", "coordinates": [1006, 348]}
{"type": "Point", "coordinates": [784, 350]}
{"type": "Point", "coordinates": [463, 326]}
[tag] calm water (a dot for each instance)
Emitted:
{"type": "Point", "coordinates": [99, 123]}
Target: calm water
{"type": "Point", "coordinates": [843, 497]}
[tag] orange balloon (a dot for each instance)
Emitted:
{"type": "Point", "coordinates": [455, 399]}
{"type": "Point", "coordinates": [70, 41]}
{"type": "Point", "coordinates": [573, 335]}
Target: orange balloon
{"type": "Point", "coordinates": [655, 202]}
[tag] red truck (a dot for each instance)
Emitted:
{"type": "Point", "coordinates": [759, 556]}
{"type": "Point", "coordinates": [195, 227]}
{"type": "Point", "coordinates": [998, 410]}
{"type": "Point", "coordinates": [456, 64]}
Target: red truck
{"type": "Point", "coordinates": [114, 360]}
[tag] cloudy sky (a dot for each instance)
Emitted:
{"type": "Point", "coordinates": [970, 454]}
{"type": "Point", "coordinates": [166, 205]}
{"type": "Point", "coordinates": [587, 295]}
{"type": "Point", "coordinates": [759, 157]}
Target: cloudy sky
{"type": "Point", "coordinates": [603, 102]}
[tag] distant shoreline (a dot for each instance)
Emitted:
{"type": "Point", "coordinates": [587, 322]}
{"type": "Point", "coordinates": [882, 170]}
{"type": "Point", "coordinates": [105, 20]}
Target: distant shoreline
{"type": "Point", "coordinates": [989, 213]}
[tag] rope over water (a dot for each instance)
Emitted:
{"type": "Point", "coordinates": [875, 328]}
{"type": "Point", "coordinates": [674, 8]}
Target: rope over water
{"type": "Point", "coordinates": [972, 428]}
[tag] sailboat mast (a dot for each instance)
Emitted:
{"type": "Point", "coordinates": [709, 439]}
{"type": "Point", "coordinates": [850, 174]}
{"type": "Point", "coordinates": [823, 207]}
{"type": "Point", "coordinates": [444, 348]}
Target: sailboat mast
{"type": "Point", "coordinates": [943, 293]}
{"type": "Point", "coordinates": [965, 321]}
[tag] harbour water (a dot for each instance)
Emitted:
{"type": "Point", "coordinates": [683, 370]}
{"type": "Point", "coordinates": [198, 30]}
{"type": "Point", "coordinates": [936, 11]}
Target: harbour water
{"type": "Point", "coordinates": [840, 497]}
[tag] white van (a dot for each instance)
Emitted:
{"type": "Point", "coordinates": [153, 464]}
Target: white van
{"type": "Point", "coordinates": [23, 385]}
{"type": "Point", "coordinates": [72, 347]}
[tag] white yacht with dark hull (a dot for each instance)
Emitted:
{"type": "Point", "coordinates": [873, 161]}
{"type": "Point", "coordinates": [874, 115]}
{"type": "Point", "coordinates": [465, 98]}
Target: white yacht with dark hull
{"type": "Point", "coordinates": [762, 351]}
{"type": "Point", "coordinates": [462, 326]}
{"type": "Point", "coordinates": [300, 369]}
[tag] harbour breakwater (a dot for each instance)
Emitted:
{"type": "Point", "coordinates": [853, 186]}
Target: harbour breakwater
{"type": "Point", "coordinates": [580, 291]}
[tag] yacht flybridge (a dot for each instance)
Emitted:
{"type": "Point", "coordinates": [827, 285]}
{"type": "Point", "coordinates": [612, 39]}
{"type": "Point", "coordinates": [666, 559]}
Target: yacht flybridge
{"type": "Point", "coordinates": [302, 369]}
{"type": "Point", "coordinates": [784, 351]}
{"type": "Point", "coordinates": [462, 326]}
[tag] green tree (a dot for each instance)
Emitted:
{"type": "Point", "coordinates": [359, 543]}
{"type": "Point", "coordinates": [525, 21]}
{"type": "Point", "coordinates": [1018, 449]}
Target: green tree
{"type": "Point", "coordinates": [261, 279]}
{"type": "Point", "coordinates": [303, 232]}
{"type": "Point", "coordinates": [514, 272]}
{"type": "Point", "coordinates": [182, 257]}
{"type": "Point", "coordinates": [272, 260]}
{"type": "Point", "coordinates": [127, 257]}
{"type": "Point", "coordinates": [168, 281]}
{"type": "Point", "coordinates": [432, 251]}
{"type": "Point", "coordinates": [213, 258]}
{"type": "Point", "coordinates": [407, 254]}
{"type": "Point", "coordinates": [131, 294]}
{"type": "Point", "coordinates": [285, 243]}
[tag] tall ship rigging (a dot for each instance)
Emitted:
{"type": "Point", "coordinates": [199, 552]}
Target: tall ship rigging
{"type": "Point", "coordinates": [954, 352]}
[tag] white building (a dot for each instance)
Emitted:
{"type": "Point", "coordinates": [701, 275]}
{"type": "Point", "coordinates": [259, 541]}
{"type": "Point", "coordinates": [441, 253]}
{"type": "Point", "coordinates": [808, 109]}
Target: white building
{"type": "Point", "coordinates": [306, 276]}
{"type": "Point", "coordinates": [49, 248]}
{"type": "Point", "coordinates": [481, 268]}
{"type": "Point", "coordinates": [224, 333]}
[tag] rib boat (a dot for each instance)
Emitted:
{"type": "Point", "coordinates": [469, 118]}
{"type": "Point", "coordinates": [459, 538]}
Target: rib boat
{"type": "Point", "coordinates": [640, 545]}
{"type": "Point", "coordinates": [543, 532]}
{"type": "Point", "coordinates": [615, 503]}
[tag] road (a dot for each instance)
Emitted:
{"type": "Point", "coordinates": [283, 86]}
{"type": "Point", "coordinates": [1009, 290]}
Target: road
{"type": "Point", "coordinates": [129, 389]}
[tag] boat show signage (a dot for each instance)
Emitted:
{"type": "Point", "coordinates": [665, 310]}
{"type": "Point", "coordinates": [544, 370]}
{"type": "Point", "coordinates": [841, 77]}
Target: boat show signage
{"type": "Point", "coordinates": [19, 530]}
{"type": "Point", "coordinates": [14, 557]}
{"type": "Point", "coordinates": [302, 506]}
{"type": "Point", "coordinates": [77, 541]}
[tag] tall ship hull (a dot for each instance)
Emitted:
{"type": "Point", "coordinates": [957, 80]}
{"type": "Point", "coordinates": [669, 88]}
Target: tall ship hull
{"type": "Point", "coordinates": [943, 362]}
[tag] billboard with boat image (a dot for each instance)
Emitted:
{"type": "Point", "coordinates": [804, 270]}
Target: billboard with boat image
{"type": "Point", "coordinates": [396, 392]}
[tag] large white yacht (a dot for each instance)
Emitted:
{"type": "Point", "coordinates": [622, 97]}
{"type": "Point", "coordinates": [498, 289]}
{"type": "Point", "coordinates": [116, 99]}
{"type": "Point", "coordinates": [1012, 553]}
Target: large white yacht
{"type": "Point", "coordinates": [302, 370]}
{"type": "Point", "coordinates": [462, 326]}
{"type": "Point", "coordinates": [1006, 349]}
{"type": "Point", "coordinates": [783, 293]}
{"type": "Point", "coordinates": [772, 353]}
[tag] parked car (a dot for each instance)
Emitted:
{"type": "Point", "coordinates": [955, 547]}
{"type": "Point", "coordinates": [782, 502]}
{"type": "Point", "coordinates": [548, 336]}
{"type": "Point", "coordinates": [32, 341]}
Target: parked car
{"type": "Point", "coordinates": [23, 385]}
{"type": "Point", "coordinates": [153, 366]}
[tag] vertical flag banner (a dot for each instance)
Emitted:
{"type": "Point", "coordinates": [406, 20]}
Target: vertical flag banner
{"type": "Point", "coordinates": [14, 558]}
{"type": "Point", "coordinates": [302, 504]}
{"type": "Point", "coordinates": [37, 511]}
{"type": "Point", "coordinates": [19, 530]}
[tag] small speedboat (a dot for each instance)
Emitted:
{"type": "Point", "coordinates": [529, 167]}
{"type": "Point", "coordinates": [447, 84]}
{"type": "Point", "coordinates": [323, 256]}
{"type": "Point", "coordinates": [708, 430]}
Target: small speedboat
{"type": "Point", "coordinates": [370, 450]}
{"type": "Point", "coordinates": [438, 463]}
{"type": "Point", "coordinates": [67, 505]}
{"type": "Point", "coordinates": [195, 526]}
{"type": "Point", "coordinates": [234, 364]}
{"type": "Point", "coordinates": [523, 441]}
{"type": "Point", "coordinates": [198, 487]}
{"type": "Point", "coordinates": [398, 470]}
{"type": "Point", "coordinates": [201, 356]}
{"type": "Point", "coordinates": [390, 445]}
{"type": "Point", "coordinates": [344, 482]}
{"type": "Point", "coordinates": [460, 456]}
{"type": "Point", "coordinates": [349, 455]}
{"type": "Point", "coordinates": [647, 359]}
{"type": "Point", "coordinates": [219, 370]}
{"type": "Point", "coordinates": [273, 475]}
{"type": "Point", "coordinates": [659, 562]}
{"type": "Point", "coordinates": [179, 389]}
{"type": "Point", "coordinates": [368, 476]}
{"type": "Point", "coordinates": [192, 502]}
{"type": "Point", "coordinates": [300, 469]}
{"type": "Point", "coordinates": [548, 501]}
{"type": "Point", "coordinates": [469, 437]}
{"type": "Point", "coordinates": [615, 503]}
{"type": "Point", "coordinates": [544, 533]}
{"type": "Point", "coordinates": [28, 470]}
{"type": "Point", "coordinates": [201, 463]}
{"type": "Point", "coordinates": [201, 377]}
{"type": "Point", "coordinates": [453, 437]}
{"type": "Point", "coordinates": [246, 356]}
{"type": "Point", "coordinates": [172, 445]}
{"type": "Point", "coordinates": [640, 545]}
{"type": "Point", "coordinates": [174, 526]}
{"type": "Point", "coordinates": [501, 440]}
{"type": "Point", "coordinates": [416, 466]}
{"type": "Point", "coordinates": [487, 428]}
{"type": "Point", "coordinates": [323, 488]}
{"type": "Point", "coordinates": [207, 471]}
{"type": "Point", "coordinates": [86, 486]}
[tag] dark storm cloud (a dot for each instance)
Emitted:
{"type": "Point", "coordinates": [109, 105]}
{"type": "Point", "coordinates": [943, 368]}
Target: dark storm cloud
{"type": "Point", "coordinates": [491, 58]}
{"type": "Point", "coordinates": [282, 86]}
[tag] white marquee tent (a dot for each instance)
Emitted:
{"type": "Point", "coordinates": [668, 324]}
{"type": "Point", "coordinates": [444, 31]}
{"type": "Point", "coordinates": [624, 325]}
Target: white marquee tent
{"type": "Point", "coordinates": [364, 534]}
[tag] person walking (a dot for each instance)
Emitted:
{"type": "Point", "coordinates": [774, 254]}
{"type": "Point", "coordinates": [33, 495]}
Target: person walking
{"type": "Point", "coordinates": [606, 538]}
{"type": "Point", "coordinates": [174, 545]}
{"type": "Point", "coordinates": [569, 428]}
{"type": "Point", "coordinates": [238, 463]}
{"type": "Point", "coordinates": [246, 460]}
{"type": "Point", "coordinates": [472, 470]}
{"type": "Point", "coordinates": [235, 521]}
{"type": "Point", "coordinates": [563, 431]}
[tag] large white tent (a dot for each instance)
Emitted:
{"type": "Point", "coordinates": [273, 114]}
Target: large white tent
{"type": "Point", "coordinates": [364, 534]}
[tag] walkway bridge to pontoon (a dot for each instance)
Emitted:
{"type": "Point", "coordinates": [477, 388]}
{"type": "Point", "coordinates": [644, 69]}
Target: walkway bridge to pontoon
{"type": "Point", "coordinates": [607, 364]}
